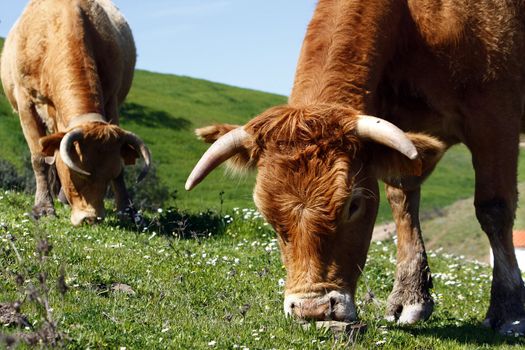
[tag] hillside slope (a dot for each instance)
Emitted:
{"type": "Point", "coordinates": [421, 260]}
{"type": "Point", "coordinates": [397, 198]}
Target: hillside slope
{"type": "Point", "coordinates": [457, 230]}
{"type": "Point", "coordinates": [165, 109]}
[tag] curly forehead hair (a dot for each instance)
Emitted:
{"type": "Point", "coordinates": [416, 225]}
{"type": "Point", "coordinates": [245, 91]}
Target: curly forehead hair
{"type": "Point", "coordinates": [304, 130]}
{"type": "Point", "coordinates": [307, 153]}
{"type": "Point", "coordinates": [102, 132]}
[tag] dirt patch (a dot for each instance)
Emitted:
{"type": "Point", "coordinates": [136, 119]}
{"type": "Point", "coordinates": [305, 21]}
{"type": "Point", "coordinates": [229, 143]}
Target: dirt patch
{"type": "Point", "coordinates": [122, 288]}
{"type": "Point", "coordinates": [10, 315]}
{"type": "Point", "coordinates": [384, 231]}
{"type": "Point", "coordinates": [105, 289]}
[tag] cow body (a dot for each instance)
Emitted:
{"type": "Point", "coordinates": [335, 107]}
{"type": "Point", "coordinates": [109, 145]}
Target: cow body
{"type": "Point", "coordinates": [67, 66]}
{"type": "Point", "coordinates": [442, 71]}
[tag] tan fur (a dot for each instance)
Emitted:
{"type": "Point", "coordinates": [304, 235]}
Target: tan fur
{"type": "Point", "coordinates": [62, 60]}
{"type": "Point", "coordinates": [56, 39]}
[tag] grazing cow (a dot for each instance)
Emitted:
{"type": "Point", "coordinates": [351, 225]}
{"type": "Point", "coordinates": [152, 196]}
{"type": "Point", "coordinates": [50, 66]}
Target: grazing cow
{"type": "Point", "coordinates": [66, 67]}
{"type": "Point", "coordinates": [444, 72]}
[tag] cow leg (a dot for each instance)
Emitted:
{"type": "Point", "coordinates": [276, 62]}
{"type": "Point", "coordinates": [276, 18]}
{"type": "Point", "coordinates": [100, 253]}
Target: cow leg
{"type": "Point", "coordinates": [33, 130]}
{"type": "Point", "coordinates": [123, 202]}
{"type": "Point", "coordinates": [122, 198]}
{"type": "Point", "coordinates": [410, 299]}
{"type": "Point", "coordinates": [493, 123]}
{"type": "Point", "coordinates": [125, 208]}
{"type": "Point", "coordinates": [495, 164]}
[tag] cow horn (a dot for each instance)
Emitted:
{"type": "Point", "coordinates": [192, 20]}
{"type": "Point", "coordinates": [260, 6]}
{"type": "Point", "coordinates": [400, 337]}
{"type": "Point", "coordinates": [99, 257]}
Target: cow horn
{"type": "Point", "coordinates": [139, 145]}
{"type": "Point", "coordinates": [221, 150]}
{"type": "Point", "coordinates": [386, 133]}
{"type": "Point", "coordinates": [66, 146]}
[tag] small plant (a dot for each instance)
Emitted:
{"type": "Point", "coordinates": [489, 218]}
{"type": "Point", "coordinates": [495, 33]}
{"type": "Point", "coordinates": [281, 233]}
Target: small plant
{"type": "Point", "coordinates": [18, 180]}
{"type": "Point", "coordinates": [182, 224]}
{"type": "Point", "coordinates": [34, 287]}
{"type": "Point", "coordinates": [9, 177]}
{"type": "Point", "coordinates": [221, 198]}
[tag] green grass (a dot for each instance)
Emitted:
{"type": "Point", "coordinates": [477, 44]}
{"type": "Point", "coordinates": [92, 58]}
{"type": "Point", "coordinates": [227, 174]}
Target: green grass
{"type": "Point", "coordinates": [457, 231]}
{"type": "Point", "coordinates": [174, 107]}
{"type": "Point", "coordinates": [165, 109]}
{"type": "Point", "coordinates": [452, 180]}
{"type": "Point", "coordinates": [221, 288]}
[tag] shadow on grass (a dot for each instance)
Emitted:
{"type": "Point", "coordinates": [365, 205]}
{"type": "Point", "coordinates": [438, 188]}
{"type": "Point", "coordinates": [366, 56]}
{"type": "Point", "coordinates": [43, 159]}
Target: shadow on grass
{"type": "Point", "coordinates": [152, 118]}
{"type": "Point", "coordinates": [175, 223]}
{"type": "Point", "coordinates": [468, 334]}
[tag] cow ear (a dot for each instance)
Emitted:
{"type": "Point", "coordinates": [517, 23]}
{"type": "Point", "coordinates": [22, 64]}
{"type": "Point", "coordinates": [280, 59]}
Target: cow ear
{"type": "Point", "coordinates": [389, 165]}
{"type": "Point", "coordinates": [210, 134]}
{"type": "Point", "coordinates": [239, 162]}
{"type": "Point", "coordinates": [51, 143]}
{"type": "Point", "coordinates": [129, 154]}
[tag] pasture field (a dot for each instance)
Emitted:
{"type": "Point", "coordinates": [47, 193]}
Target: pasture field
{"type": "Point", "coordinates": [207, 281]}
{"type": "Point", "coordinates": [165, 109]}
{"type": "Point", "coordinates": [457, 231]}
{"type": "Point", "coordinates": [211, 277]}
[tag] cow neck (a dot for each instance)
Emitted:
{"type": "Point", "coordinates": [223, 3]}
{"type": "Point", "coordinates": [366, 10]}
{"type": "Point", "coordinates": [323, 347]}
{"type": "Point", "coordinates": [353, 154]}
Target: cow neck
{"type": "Point", "coordinates": [347, 46]}
{"type": "Point", "coordinates": [73, 80]}
{"type": "Point", "coordinates": [85, 118]}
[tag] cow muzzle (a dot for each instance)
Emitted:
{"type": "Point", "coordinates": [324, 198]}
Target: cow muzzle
{"type": "Point", "coordinates": [88, 217]}
{"type": "Point", "coordinates": [334, 306]}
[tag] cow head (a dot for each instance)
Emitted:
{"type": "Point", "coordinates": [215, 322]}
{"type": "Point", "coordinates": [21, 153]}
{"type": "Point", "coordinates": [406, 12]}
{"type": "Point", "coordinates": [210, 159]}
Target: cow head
{"type": "Point", "coordinates": [87, 158]}
{"type": "Point", "coordinates": [317, 186]}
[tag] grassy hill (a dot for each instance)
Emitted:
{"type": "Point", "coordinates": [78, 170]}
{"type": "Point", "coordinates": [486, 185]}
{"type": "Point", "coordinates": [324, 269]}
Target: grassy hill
{"type": "Point", "coordinates": [456, 229]}
{"type": "Point", "coordinates": [165, 109]}
{"type": "Point", "coordinates": [218, 286]}
{"type": "Point", "coordinates": [149, 289]}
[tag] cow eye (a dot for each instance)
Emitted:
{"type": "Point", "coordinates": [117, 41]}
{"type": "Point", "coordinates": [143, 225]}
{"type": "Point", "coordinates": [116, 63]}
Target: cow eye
{"type": "Point", "coordinates": [354, 207]}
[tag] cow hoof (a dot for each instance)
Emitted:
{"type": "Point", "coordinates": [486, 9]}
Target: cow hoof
{"type": "Point", "coordinates": [43, 210]}
{"type": "Point", "coordinates": [510, 328]}
{"type": "Point", "coordinates": [410, 313]}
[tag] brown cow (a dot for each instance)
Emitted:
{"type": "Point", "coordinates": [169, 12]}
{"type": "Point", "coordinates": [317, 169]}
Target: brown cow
{"type": "Point", "coordinates": [444, 72]}
{"type": "Point", "coordinates": [66, 67]}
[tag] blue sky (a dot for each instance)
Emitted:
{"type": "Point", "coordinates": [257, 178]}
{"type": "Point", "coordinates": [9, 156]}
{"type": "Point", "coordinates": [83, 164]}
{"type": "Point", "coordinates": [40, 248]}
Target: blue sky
{"type": "Point", "coordinates": [246, 43]}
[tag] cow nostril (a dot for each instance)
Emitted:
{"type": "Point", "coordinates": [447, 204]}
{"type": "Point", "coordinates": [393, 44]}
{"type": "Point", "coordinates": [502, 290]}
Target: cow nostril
{"type": "Point", "coordinates": [330, 312]}
{"type": "Point", "coordinates": [333, 301]}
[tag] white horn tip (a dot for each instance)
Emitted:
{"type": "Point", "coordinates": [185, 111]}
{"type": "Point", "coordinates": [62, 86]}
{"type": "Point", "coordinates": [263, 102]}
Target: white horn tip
{"type": "Point", "coordinates": [412, 154]}
{"type": "Point", "coordinates": [189, 185]}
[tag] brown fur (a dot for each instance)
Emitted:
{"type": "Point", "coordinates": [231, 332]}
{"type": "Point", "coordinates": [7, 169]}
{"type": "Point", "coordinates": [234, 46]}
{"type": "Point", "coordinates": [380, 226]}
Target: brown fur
{"type": "Point", "coordinates": [304, 156]}
{"type": "Point", "coordinates": [446, 71]}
